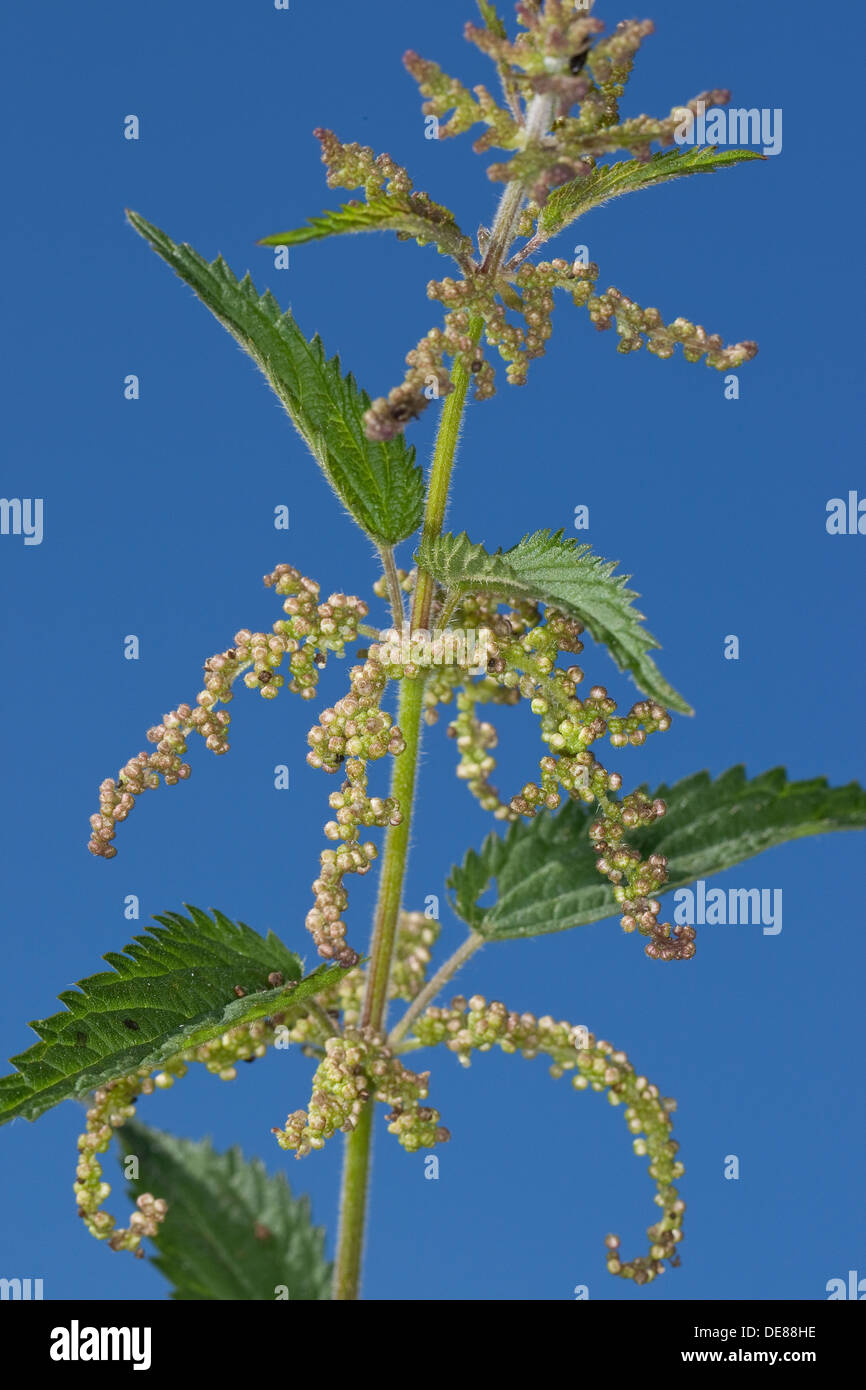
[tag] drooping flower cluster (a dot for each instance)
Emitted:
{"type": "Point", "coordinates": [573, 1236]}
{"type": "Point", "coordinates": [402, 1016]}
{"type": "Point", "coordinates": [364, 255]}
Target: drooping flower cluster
{"type": "Point", "coordinates": [310, 631]}
{"type": "Point", "coordinates": [474, 1025]}
{"type": "Point", "coordinates": [523, 649]}
{"type": "Point", "coordinates": [112, 1105]}
{"type": "Point", "coordinates": [636, 880]}
{"type": "Point", "coordinates": [357, 730]}
{"type": "Point", "coordinates": [416, 934]}
{"type": "Point", "coordinates": [358, 1066]}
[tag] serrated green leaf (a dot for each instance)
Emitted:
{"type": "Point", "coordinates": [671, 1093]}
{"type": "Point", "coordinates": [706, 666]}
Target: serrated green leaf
{"type": "Point", "coordinates": [231, 1232]}
{"type": "Point", "coordinates": [570, 201]}
{"type": "Point", "coordinates": [545, 868]}
{"type": "Point", "coordinates": [173, 988]}
{"type": "Point", "coordinates": [378, 482]}
{"type": "Point", "coordinates": [380, 214]}
{"type": "Point", "coordinates": [567, 576]}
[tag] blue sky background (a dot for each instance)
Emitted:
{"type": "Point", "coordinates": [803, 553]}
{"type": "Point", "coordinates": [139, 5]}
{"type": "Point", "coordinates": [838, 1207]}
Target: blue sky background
{"type": "Point", "coordinates": [158, 522]}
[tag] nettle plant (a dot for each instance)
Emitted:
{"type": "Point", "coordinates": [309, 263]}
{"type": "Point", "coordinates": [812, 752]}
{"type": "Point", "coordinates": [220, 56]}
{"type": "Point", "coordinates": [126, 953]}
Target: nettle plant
{"type": "Point", "coordinates": [469, 629]}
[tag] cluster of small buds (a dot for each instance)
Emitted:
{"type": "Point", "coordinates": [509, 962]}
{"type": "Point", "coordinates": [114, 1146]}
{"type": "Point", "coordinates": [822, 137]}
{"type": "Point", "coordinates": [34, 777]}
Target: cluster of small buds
{"type": "Point", "coordinates": [570, 726]}
{"type": "Point", "coordinates": [355, 727]}
{"type": "Point", "coordinates": [477, 294]}
{"type": "Point", "coordinates": [536, 283]}
{"type": "Point", "coordinates": [578, 138]}
{"type": "Point", "coordinates": [479, 614]}
{"type": "Point", "coordinates": [112, 1105]}
{"type": "Point", "coordinates": [354, 808]}
{"type": "Point", "coordinates": [354, 166]}
{"type": "Point", "coordinates": [358, 1067]}
{"type": "Point", "coordinates": [340, 1088]}
{"type": "Point", "coordinates": [474, 1025]}
{"type": "Point", "coordinates": [553, 31]}
{"type": "Point", "coordinates": [526, 665]}
{"type": "Point", "coordinates": [345, 999]}
{"type": "Point", "coordinates": [357, 730]}
{"type": "Point", "coordinates": [417, 1127]}
{"type": "Point", "coordinates": [636, 880]}
{"type": "Point", "coordinates": [310, 631]}
{"type": "Point", "coordinates": [249, 1041]}
{"type": "Point", "coordinates": [416, 935]}
{"type": "Point", "coordinates": [636, 326]}
{"type": "Point", "coordinates": [524, 651]}
{"type": "Point", "coordinates": [320, 627]}
{"type": "Point", "coordinates": [415, 652]}
{"type": "Point", "coordinates": [554, 56]}
{"type": "Point", "coordinates": [474, 738]}
{"type": "Point", "coordinates": [557, 60]}
{"type": "Point", "coordinates": [382, 178]}
{"type": "Point", "coordinates": [324, 921]}
{"type": "Point", "coordinates": [439, 689]}
{"type": "Point", "coordinates": [517, 344]}
{"type": "Point", "coordinates": [467, 1026]}
{"type": "Point", "coordinates": [445, 94]}
{"type": "Point", "coordinates": [648, 1117]}
{"type": "Point", "coordinates": [427, 377]}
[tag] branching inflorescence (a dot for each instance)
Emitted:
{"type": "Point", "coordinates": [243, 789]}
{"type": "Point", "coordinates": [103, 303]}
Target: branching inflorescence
{"type": "Point", "coordinates": [548, 70]}
{"type": "Point", "coordinates": [559, 117]}
{"type": "Point", "coordinates": [358, 1066]}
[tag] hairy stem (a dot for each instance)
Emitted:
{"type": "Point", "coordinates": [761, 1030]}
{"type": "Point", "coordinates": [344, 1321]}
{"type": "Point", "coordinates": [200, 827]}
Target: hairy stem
{"type": "Point", "coordinates": [396, 855]}
{"type": "Point", "coordinates": [445, 972]}
{"type": "Point", "coordinates": [409, 710]}
{"type": "Point", "coordinates": [353, 1203]}
{"type": "Point", "coordinates": [392, 579]}
{"type": "Point", "coordinates": [440, 475]}
{"type": "Point", "coordinates": [538, 117]}
{"type": "Point", "coordinates": [353, 1207]}
{"type": "Point", "coordinates": [315, 1010]}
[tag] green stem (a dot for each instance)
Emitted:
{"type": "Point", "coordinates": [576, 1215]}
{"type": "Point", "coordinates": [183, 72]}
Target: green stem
{"type": "Point", "coordinates": [396, 856]}
{"type": "Point", "coordinates": [353, 1208]}
{"type": "Point", "coordinates": [392, 579]}
{"type": "Point", "coordinates": [440, 474]}
{"type": "Point", "coordinates": [316, 1011]}
{"type": "Point", "coordinates": [445, 972]}
{"type": "Point", "coordinates": [356, 1163]}
{"type": "Point", "coordinates": [357, 1157]}
{"type": "Point", "coordinates": [538, 118]}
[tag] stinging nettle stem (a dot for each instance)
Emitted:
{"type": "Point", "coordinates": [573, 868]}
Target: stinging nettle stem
{"type": "Point", "coordinates": [392, 579]}
{"type": "Point", "coordinates": [538, 117]}
{"type": "Point", "coordinates": [356, 1164]}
